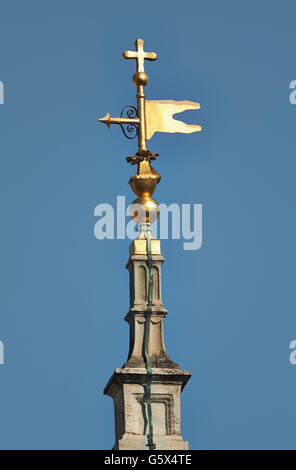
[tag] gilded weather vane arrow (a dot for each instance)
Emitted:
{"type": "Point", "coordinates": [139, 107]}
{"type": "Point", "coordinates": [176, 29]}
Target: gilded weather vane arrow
{"type": "Point", "coordinates": [149, 117]}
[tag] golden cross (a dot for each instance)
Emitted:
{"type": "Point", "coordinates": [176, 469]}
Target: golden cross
{"type": "Point", "coordinates": [140, 55]}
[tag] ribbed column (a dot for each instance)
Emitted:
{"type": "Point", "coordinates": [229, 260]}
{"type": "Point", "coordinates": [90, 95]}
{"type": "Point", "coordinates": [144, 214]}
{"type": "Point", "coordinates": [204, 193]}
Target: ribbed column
{"type": "Point", "coordinates": [136, 411]}
{"type": "Point", "coordinates": [136, 317]}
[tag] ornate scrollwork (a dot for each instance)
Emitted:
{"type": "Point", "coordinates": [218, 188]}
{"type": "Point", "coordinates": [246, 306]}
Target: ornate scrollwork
{"type": "Point", "coordinates": [129, 130]}
{"type": "Point", "coordinates": [130, 111]}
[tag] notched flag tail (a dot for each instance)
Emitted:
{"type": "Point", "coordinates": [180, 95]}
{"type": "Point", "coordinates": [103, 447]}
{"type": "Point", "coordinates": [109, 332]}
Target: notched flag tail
{"type": "Point", "coordinates": [159, 117]}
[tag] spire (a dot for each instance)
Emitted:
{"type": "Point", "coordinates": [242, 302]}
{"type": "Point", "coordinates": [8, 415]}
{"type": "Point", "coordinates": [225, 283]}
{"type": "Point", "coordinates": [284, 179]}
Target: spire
{"type": "Point", "coordinates": [146, 390]}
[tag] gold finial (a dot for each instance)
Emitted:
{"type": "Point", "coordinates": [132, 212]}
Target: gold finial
{"type": "Point", "coordinates": [149, 117]}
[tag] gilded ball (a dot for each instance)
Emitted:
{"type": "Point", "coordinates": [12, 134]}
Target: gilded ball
{"type": "Point", "coordinates": [144, 210]}
{"type": "Point", "coordinates": [140, 78]}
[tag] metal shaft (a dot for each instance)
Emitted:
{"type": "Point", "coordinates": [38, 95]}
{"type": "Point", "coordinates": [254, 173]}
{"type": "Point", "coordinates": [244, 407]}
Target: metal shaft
{"type": "Point", "coordinates": [141, 114]}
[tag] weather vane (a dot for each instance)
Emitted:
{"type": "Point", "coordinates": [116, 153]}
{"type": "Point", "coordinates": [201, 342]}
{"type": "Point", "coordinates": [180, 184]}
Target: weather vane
{"type": "Point", "coordinates": [149, 117]}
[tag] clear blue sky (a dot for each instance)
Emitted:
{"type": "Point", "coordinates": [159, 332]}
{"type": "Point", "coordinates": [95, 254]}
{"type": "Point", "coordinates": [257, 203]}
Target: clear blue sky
{"type": "Point", "coordinates": [64, 294]}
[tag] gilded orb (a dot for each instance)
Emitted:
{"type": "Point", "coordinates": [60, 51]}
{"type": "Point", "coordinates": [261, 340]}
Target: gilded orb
{"type": "Point", "coordinates": [144, 210]}
{"type": "Point", "coordinates": [140, 78]}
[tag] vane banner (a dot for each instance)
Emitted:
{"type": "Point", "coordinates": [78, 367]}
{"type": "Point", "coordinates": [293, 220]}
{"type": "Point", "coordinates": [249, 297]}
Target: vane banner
{"type": "Point", "coordinates": [159, 117]}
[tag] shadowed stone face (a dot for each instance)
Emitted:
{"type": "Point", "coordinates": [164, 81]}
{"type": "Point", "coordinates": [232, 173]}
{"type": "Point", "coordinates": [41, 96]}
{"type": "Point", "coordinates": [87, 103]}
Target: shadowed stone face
{"type": "Point", "coordinates": [127, 388]}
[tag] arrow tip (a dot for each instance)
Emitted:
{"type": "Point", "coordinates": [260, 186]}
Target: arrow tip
{"type": "Point", "coordinates": [106, 120]}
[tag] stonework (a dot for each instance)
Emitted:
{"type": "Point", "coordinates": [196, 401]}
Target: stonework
{"type": "Point", "coordinates": [136, 317]}
{"type": "Point", "coordinates": [128, 386]}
